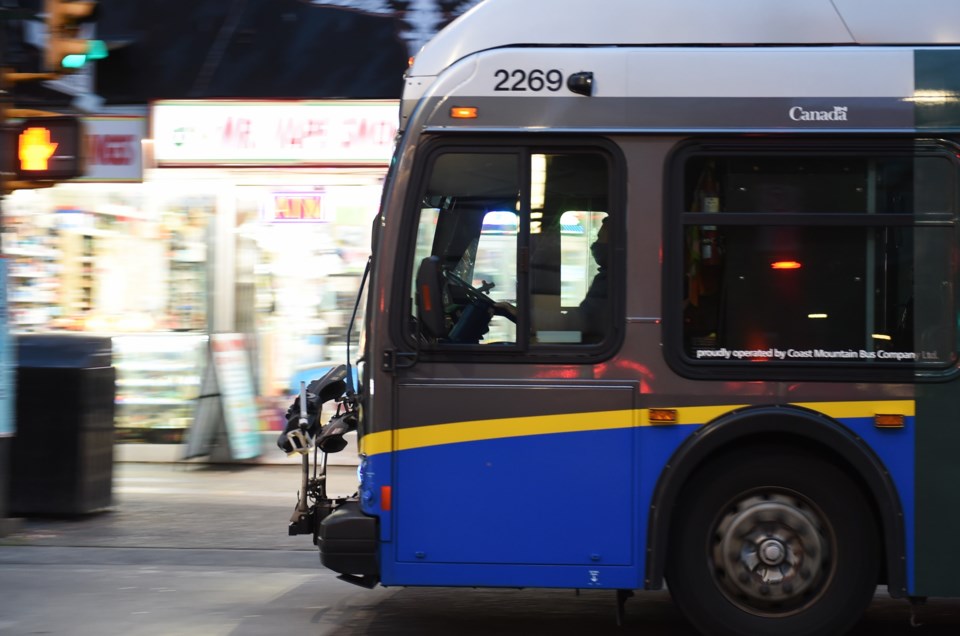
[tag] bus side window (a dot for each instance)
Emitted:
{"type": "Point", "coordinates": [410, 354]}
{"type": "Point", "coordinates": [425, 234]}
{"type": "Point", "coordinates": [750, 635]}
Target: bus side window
{"type": "Point", "coordinates": [570, 286]}
{"type": "Point", "coordinates": [820, 260]}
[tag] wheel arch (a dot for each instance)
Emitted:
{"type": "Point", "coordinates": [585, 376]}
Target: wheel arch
{"type": "Point", "coordinates": [787, 425]}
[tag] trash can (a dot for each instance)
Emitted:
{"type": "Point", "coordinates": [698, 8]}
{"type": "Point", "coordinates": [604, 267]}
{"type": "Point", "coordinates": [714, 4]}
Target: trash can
{"type": "Point", "coordinates": [62, 452]}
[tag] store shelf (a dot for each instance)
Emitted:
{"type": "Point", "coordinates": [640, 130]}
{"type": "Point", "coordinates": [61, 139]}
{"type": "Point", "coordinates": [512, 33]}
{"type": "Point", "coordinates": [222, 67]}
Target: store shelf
{"type": "Point", "coordinates": [189, 380]}
{"type": "Point", "coordinates": [188, 275]}
{"type": "Point", "coordinates": [47, 253]}
{"type": "Point", "coordinates": [33, 276]}
{"type": "Point", "coordinates": [158, 382]}
{"type": "Point", "coordinates": [152, 401]}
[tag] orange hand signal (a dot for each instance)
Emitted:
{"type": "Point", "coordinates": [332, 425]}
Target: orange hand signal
{"type": "Point", "coordinates": [35, 149]}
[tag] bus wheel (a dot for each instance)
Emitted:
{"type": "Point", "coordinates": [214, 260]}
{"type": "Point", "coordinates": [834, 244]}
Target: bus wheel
{"type": "Point", "coordinates": [772, 542]}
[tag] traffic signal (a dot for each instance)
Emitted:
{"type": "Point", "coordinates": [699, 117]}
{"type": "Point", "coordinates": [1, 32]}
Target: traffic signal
{"type": "Point", "coordinates": [47, 149]}
{"type": "Point", "coordinates": [66, 50]}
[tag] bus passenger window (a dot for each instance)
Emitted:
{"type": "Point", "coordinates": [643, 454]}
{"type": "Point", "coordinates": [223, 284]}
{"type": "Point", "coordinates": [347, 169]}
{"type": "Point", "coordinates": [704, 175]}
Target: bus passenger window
{"type": "Point", "coordinates": [818, 258]}
{"type": "Point", "coordinates": [595, 306]}
{"type": "Point", "coordinates": [569, 278]}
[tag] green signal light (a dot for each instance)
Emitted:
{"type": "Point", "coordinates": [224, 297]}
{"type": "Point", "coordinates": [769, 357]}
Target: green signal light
{"type": "Point", "coordinates": [73, 61]}
{"type": "Point", "coordinates": [96, 50]}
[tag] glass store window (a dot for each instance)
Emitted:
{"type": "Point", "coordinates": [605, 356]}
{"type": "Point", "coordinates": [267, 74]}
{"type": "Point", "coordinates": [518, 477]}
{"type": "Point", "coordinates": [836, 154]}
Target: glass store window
{"type": "Point", "coordinates": [830, 257]}
{"type": "Point", "coordinates": [300, 251]}
{"type": "Point", "coordinates": [511, 249]}
{"type": "Point", "coordinates": [109, 258]}
{"type": "Point", "coordinates": [122, 260]}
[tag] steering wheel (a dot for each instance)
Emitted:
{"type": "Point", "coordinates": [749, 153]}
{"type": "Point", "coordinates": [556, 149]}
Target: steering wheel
{"type": "Point", "coordinates": [479, 296]}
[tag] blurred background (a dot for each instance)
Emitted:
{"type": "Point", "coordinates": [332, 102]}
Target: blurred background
{"type": "Point", "coordinates": [211, 244]}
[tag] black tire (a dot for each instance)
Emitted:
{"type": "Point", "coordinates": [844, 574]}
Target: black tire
{"type": "Point", "coordinates": [769, 541]}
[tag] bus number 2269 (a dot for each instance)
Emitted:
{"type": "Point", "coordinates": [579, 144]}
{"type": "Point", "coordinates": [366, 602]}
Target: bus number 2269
{"type": "Point", "coordinates": [535, 80]}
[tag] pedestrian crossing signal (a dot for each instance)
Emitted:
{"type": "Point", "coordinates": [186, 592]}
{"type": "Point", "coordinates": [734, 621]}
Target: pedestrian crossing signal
{"type": "Point", "coordinates": [35, 149]}
{"type": "Point", "coordinates": [48, 148]}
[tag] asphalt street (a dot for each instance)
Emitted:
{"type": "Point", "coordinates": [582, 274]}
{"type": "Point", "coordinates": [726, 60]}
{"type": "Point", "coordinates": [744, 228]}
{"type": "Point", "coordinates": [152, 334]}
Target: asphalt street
{"type": "Point", "coordinates": [203, 550]}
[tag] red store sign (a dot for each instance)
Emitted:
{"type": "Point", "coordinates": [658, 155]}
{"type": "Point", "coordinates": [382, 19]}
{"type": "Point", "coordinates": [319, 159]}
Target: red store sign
{"type": "Point", "coordinates": [112, 148]}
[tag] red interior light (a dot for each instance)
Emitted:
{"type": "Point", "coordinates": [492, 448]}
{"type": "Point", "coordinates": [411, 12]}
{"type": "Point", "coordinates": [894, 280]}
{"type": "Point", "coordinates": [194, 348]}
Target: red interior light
{"type": "Point", "coordinates": [786, 265]}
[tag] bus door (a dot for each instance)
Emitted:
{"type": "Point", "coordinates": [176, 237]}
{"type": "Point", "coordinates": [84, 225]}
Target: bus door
{"type": "Point", "coordinates": [510, 449]}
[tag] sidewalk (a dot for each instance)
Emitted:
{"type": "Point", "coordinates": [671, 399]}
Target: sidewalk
{"type": "Point", "coordinates": [269, 453]}
{"type": "Point", "coordinates": [187, 505]}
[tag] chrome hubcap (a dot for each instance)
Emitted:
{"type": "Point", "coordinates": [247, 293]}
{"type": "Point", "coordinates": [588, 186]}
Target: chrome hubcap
{"type": "Point", "coordinates": [771, 553]}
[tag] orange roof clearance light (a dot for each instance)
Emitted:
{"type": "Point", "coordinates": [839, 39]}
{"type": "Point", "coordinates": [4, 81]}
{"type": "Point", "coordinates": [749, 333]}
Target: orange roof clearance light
{"type": "Point", "coordinates": [786, 265]}
{"type": "Point", "coordinates": [463, 112]}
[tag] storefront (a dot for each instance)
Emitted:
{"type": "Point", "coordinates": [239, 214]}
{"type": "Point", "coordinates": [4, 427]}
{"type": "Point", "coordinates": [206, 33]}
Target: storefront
{"type": "Point", "coordinates": [251, 218]}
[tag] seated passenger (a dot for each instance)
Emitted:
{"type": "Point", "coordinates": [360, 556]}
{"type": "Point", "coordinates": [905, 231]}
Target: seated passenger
{"type": "Point", "coordinates": [595, 307]}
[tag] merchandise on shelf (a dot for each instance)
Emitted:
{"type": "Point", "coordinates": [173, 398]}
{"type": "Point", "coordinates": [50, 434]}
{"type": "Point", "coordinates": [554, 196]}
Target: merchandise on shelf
{"type": "Point", "coordinates": [158, 382]}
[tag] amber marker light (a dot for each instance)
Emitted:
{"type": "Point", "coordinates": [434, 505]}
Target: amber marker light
{"type": "Point", "coordinates": [663, 416]}
{"type": "Point", "coordinates": [463, 112]}
{"type": "Point", "coordinates": [888, 420]}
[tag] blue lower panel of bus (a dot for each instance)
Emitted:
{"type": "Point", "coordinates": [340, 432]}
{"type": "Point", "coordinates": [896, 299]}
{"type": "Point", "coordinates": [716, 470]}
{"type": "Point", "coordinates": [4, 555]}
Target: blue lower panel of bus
{"type": "Point", "coordinates": [516, 576]}
{"type": "Point", "coordinates": [554, 510]}
{"type": "Point", "coordinates": [557, 510]}
{"type": "Point", "coordinates": [896, 450]}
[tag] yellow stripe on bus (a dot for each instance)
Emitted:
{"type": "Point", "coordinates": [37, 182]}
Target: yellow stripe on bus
{"type": "Point", "coordinates": [480, 430]}
{"type": "Point", "coordinates": [848, 410]}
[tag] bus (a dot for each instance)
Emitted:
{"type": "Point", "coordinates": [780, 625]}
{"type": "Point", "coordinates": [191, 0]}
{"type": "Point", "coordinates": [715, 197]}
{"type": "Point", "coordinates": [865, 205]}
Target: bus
{"type": "Point", "coordinates": [663, 293]}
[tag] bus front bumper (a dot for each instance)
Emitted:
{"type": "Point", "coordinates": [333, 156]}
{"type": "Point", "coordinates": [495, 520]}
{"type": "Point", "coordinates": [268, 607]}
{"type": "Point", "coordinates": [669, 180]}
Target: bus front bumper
{"type": "Point", "coordinates": [347, 539]}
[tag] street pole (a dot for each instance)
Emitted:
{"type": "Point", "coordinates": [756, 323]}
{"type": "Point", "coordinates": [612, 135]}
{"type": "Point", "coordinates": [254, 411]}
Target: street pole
{"type": "Point", "coordinates": [6, 392]}
{"type": "Point", "coordinates": [6, 526]}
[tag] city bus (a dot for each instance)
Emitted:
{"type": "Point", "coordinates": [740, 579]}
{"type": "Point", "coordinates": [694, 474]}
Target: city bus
{"type": "Point", "coordinates": [663, 293]}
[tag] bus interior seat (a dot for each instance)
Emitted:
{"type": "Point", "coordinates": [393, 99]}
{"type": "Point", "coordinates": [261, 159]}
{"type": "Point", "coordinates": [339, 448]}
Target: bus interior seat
{"type": "Point", "coordinates": [429, 296]}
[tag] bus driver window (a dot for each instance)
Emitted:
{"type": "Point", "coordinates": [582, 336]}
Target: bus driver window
{"type": "Point", "coordinates": [466, 250]}
{"type": "Point", "coordinates": [497, 257]}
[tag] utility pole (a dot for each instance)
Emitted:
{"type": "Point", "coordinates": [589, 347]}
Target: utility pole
{"type": "Point", "coordinates": [48, 151]}
{"type": "Point", "coordinates": [8, 396]}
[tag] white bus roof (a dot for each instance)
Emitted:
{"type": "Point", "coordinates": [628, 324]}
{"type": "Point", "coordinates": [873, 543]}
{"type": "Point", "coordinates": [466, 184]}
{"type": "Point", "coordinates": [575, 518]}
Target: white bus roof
{"type": "Point", "coordinates": [498, 23]}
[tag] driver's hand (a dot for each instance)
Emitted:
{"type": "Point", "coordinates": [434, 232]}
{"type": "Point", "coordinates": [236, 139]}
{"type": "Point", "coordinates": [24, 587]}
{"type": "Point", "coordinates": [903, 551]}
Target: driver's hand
{"type": "Point", "coordinates": [506, 310]}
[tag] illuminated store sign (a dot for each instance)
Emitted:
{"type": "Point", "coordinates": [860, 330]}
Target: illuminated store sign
{"type": "Point", "coordinates": [297, 206]}
{"type": "Point", "coordinates": [272, 133]}
{"type": "Point", "coordinates": [112, 148]}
